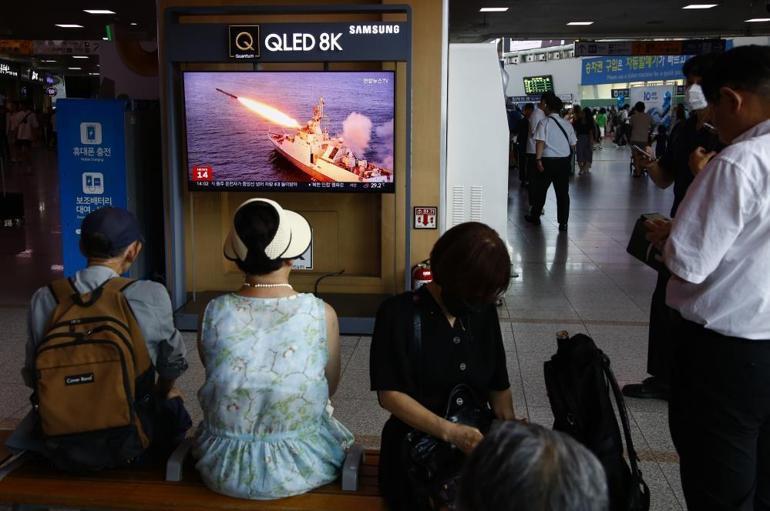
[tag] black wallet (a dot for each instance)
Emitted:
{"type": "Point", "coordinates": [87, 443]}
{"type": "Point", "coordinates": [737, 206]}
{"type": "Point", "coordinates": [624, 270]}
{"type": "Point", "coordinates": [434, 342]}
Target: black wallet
{"type": "Point", "coordinates": [640, 248]}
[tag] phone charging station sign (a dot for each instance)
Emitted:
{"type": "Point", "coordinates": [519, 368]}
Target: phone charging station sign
{"type": "Point", "coordinates": [92, 166]}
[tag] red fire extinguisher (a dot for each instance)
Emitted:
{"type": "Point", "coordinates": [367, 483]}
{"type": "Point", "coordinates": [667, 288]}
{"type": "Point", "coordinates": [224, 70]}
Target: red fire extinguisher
{"type": "Point", "coordinates": [421, 275]}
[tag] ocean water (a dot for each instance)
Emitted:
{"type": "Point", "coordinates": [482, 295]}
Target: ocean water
{"type": "Point", "coordinates": [224, 134]}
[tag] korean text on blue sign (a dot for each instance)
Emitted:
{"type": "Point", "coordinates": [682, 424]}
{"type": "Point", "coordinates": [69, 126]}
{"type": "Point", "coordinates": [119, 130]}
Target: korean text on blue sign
{"type": "Point", "coordinates": [92, 166]}
{"type": "Point", "coordinates": [599, 70]}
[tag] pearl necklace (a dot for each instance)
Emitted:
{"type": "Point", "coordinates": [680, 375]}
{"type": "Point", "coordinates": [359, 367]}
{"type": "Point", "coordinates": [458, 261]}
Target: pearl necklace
{"type": "Point", "coordinates": [266, 286]}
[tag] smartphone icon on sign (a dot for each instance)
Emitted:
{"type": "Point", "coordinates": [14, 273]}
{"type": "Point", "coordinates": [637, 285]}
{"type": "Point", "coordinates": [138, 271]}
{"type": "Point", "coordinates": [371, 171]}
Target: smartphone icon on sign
{"type": "Point", "coordinates": [90, 133]}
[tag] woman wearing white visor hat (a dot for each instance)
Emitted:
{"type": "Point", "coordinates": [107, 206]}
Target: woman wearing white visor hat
{"type": "Point", "coordinates": [272, 360]}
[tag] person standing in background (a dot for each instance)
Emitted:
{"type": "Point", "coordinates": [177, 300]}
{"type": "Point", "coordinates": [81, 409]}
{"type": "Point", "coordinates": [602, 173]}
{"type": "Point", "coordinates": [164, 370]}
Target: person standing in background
{"type": "Point", "coordinates": [522, 136]}
{"type": "Point", "coordinates": [26, 129]}
{"type": "Point", "coordinates": [673, 168]}
{"type": "Point", "coordinates": [533, 121]}
{"type": "Point", "coordinates": [641, 126]}
{"type": "Point", "coordinates": [584, 129]}
{"type": "Point", "coordinates": [555, 144]}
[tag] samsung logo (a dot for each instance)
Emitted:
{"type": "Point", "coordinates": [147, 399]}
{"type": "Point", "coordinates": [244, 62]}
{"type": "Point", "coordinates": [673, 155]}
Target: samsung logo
{"type": "Point", "coordinates": [374, 29]}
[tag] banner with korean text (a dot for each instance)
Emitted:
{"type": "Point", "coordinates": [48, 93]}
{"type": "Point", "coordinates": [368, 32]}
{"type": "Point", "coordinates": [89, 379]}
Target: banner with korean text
{"type": "Point", "coordinates": [92, 166]}
{"type": "Point", "coordinates": [601, 70]}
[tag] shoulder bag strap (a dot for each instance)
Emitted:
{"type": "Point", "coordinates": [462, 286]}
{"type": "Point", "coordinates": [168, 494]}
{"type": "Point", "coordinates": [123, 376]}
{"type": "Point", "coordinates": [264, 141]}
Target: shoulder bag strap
{"type": "Point", "coordinates": [565, 133]}
{"type": "Point", "coordinates": [415, 344]}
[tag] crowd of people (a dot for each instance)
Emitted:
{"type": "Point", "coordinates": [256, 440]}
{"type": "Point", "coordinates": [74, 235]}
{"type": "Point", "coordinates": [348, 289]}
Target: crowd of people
{"type": "Point", "coordinates": [21, 126]}
{"type": "Point", "coordinates": [272, 355]}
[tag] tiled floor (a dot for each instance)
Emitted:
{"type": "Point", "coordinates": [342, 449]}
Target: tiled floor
{"type": "Point", "coordinates": [580, 281]}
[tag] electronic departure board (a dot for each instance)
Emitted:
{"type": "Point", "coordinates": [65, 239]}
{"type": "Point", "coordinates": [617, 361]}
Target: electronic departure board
{"type": "Point", "coordinates": [538, 84]}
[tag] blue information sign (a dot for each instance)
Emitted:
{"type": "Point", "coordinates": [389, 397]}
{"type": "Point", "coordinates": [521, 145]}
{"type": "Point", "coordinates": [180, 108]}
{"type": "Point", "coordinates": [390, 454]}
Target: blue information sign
{"type": "Point", "coordinates": [92, 166]}
{"type": "Point", "coordinates": [600, 70]}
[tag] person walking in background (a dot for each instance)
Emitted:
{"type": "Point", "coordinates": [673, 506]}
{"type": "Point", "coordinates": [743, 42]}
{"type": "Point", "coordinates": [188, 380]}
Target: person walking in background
{"type": "Point", "coordinates": [601, 123]}
{"type": "Point", "coordinates": [680, 115]}
{"type": "Point", "coordinates": [556, 141]}
{"type": "Point", "coordinates": [26, 125]}
{"type": "Point", "coordinates": [584, 129]}
{"type": "Point", "coordinates": [718, 248]}
{"type": "Point", "coordinates": [522, 137]}
{"type": "Point", "coordinates": [641, 127]}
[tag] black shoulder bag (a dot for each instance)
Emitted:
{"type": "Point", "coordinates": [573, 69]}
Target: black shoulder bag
{"type": "Point", "coordinates": [433, 466]}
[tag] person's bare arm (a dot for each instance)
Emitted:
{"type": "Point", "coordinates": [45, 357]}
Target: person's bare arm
{"type": "Point", "coordinates": [502, 404]}
{"type": "Point", "coordinates": [333, 342]}
{"type": "Point", "coordinates": [539, 148]}
{"type": "Point", "coordinates": [409, 411]}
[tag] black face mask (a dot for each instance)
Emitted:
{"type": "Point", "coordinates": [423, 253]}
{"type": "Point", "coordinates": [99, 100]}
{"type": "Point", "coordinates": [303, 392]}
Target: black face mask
{"type": "Point", "coordinates": [458, 307]}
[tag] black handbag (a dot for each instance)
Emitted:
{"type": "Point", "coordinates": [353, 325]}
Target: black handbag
{"type": "Point", "coordinates": [433, 466]}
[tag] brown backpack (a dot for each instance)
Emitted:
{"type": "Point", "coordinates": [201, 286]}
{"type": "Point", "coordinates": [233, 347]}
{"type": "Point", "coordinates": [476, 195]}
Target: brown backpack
{"type": "Point", "coordinates": [94, 379]}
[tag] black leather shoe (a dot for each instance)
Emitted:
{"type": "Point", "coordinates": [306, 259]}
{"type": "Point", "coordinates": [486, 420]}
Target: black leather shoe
{"type": "Point", "coordinates": [532, 219]}
{"type": "Point", "coordinates": [651, 388]}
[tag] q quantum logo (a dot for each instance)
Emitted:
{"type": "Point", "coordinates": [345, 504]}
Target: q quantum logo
{"type": "Point", "coordinates": [243, 41]}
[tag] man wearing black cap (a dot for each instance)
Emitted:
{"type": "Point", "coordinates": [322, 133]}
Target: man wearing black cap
{"type": "Point", "coordinates": [111, 240]}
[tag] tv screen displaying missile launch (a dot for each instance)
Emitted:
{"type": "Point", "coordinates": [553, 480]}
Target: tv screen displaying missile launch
{"type": "Point", "coordinates": [290, 131]}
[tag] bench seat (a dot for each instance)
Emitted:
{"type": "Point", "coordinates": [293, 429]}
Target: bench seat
{"type": "Point", "coordinates": [145, 488]}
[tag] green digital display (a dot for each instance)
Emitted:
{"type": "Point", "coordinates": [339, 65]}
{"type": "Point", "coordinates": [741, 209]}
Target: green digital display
{"type": "Point", "coordinates": [538, 84]}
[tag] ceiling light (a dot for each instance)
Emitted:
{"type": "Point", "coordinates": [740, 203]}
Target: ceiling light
{"type": "Point", "coordinates": [133, 23]}
{"type": "Point", "coordinates": [79, 57]}
{"type": "Point", "coordinates": [699, 6]}
{"type": "Point", "coordinates": [49, 61]}
{"type": "Point", "coordinates": [93, 74]}
{"type": "Point", "coordinates": [98, 11]}
{"type": "Point", "coordinates": [68, 25]}
{"type": "Point", "coordinates": [580, 23]}
{"type": "Point", "coordinates": [758, 20]}
{"type": "Point", "coordinates": [493, 9]}
{"type": "Point", "coordinates": [105, 38]}
{"type": "Point", "coordinates": [74, 68]}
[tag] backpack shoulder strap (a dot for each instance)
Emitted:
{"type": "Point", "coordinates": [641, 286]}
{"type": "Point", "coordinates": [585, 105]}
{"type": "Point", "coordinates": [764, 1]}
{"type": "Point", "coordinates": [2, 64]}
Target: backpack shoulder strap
{"type": "Point", "coordinates": [118, 284]}
{"type": "Point", "coordinates": [63, 290]}
{"type": "Point", "coordinates": [623, 412]}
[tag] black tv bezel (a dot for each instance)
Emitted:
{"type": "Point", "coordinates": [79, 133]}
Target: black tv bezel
{"type": "Point", "coordinates": [524, 81]}
{"type": "Point", "coordinates": [308, 187]}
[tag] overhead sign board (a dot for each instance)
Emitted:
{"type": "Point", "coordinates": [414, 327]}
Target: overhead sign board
{"type": "Point", "coordinates": [619, 93]}
{"type": "Point", "coordinates": [291, 42]}
{"type": "Point", "coordinates": [601, 70]}
{"type": "Point", "coordinates": [652, 48]}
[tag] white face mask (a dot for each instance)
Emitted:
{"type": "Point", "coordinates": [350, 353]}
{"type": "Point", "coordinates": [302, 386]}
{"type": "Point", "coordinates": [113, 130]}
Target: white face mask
{"type": "Point", "coordinates": [695, 98]}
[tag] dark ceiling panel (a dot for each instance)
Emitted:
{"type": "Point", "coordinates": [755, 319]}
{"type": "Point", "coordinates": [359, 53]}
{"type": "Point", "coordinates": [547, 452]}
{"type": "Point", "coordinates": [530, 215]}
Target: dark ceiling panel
{"type": "Point", "coordinates": [547, 19]}
{"type": "Point", "coordinates": [36, 19]}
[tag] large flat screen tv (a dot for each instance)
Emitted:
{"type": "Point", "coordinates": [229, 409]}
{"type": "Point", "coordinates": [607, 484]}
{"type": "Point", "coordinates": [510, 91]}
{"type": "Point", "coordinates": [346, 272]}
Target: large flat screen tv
{"type": "Point", "coordinates": [290, 131]}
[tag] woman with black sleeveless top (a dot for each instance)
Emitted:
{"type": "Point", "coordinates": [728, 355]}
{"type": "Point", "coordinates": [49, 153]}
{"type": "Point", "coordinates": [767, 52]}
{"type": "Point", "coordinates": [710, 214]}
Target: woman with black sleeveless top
{"type": "Point", "coordinates": [460, 343]}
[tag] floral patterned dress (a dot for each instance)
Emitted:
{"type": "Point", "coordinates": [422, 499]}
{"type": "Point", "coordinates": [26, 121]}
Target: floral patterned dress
{"type": "Point", "coordinates": [267, 430]}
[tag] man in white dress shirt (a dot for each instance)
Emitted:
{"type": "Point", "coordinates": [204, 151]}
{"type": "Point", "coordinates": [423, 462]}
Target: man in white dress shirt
{"type": "Point", "coordinates": [718, 251]}
{"type": "Point", "coordinates": [554, 142]}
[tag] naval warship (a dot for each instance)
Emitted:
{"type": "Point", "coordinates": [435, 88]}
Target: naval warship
{"type": "Point", "coordinates": [326, 158]}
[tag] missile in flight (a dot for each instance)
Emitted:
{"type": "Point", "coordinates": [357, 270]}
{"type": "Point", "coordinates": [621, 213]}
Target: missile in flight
{"type": "Point", "coordinates": [227, 93]}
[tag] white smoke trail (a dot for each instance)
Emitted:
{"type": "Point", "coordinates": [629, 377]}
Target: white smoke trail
{"type": "Point", "coordinates": [357, 132]}
{"type": "Point", "coordinates": [384, 134]}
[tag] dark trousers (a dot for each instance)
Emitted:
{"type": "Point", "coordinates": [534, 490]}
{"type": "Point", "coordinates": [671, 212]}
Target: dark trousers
{"type": "Point", "coordinates": [523, 161]}
{"type": "Point", "coordinates": [556, 171]}
{"type": "Point", "coordinates": [719, 414]}
{"type": "Point", "coordinates": [661, 341]}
